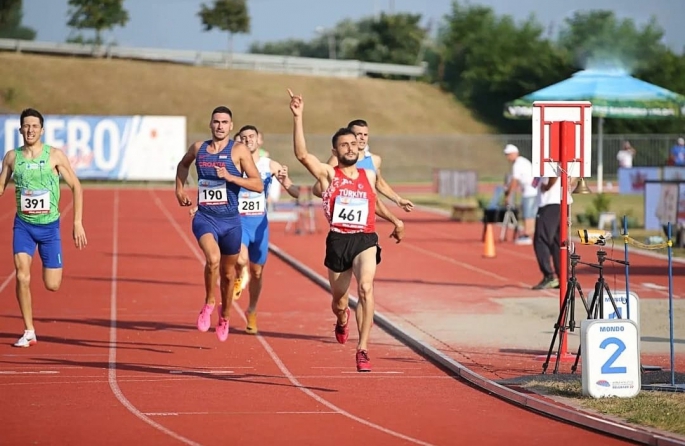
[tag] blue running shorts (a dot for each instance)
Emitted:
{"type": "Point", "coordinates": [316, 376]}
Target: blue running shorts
{"type": "Point", "coordinates": [226, 231]}
{"type": "Point", "coordinates": [256, 238]}
{"type": "Point", "coordinates": [46, 237]}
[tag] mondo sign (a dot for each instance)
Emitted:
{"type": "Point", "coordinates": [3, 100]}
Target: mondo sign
{"type": "Point", "coordinates": [610, 360]}
{"type": "Point", "coordinates": [627, 309]}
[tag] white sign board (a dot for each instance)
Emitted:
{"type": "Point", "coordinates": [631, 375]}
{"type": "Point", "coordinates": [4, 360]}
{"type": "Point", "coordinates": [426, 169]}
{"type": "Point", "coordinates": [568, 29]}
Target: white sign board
{"type": "Point", "coordinates": [547, 112]}
{"type": "Point", "coordinates": [610, 358]}
{"type": "Point", "coordinates": [628, 307]}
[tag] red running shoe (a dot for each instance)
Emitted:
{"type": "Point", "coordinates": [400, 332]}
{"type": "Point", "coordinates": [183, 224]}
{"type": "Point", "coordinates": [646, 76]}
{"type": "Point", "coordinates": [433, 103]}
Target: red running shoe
{"type": "Point", "coordinates": [363, 363]}
{"type": "Point", "coordinates": [342, 332]}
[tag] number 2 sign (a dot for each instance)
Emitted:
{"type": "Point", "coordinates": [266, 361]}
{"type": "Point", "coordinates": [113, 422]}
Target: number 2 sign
{"type": "Point", "coordinates": [610, 358]}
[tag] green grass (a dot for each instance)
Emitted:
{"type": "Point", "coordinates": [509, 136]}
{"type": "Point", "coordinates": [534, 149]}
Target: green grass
{"type": "Point", "coordinates": [659, 410]}
{"type": "Point", "coordinates": [112, 87]}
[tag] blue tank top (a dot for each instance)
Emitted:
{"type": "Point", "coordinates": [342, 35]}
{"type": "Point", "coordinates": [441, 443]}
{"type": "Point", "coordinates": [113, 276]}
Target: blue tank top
{"type": "Point", "coordinates": [366, 162]}
{"type": "Point", "coordinates": [215, 196]}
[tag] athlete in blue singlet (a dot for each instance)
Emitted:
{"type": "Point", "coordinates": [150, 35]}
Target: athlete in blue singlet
{"type": "Point", "coordinates": [223, 167]}
{"type": "Point", "coordinates": [369, 161]}
{"type": "Point", "coordinates": [255, 224]}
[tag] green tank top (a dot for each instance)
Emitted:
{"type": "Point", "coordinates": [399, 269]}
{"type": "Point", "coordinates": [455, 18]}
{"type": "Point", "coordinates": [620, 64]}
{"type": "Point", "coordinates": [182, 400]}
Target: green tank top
{"type": "Point", "coordinates": [36, 188]}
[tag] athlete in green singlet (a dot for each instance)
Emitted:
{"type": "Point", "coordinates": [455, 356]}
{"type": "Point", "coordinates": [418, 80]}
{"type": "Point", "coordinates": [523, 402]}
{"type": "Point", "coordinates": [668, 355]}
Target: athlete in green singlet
{"type": "Point", "coordinates": [36, 168]}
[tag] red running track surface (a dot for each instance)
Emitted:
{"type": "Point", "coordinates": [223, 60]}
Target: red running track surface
{"type": "Point", "coordinates": [119, 360]}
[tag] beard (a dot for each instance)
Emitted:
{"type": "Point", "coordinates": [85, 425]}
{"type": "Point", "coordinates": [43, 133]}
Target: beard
{"type": "Point", "coordinates": [346, 162]}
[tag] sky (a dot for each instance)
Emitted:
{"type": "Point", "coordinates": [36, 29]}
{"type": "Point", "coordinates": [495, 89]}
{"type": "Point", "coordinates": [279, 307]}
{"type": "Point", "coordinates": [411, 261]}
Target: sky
{"type": "Point", "coordinates": [174, 24]}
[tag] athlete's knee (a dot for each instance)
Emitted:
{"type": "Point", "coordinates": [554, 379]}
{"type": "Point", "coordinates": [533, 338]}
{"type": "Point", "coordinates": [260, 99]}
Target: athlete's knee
{"type": "Point", "coordinates": [256, 271]}
{"type": "Point", "coordinates": [52, 283]}
{"type": "Point", "coordinates": [243, 257]}
{"type": "Point", "coordinates": [213, 261]}
{"type": "Point", "coordinates": [365, 289]}
{"type": "Point", "coordinates": [23, 276]}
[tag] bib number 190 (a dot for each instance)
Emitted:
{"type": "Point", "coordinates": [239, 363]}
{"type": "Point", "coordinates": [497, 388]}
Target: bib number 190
{"type": "Point", "coordinates": [212, 195]}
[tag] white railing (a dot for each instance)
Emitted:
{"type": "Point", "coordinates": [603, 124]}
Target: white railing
{"type": "Point", "coordinates": [240, 61]}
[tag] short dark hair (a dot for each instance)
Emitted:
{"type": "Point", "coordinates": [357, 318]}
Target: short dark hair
{"type": "Point", "coordinates": [357, 123]}
{"type": "Point", "coordinates": [223, 109]}
{"type": "Point", "coordinates": [341, 132]}
{"type": "Point", "coordinates": [33, 113]}
{"type": "Point", "coordinates": [248, 127]}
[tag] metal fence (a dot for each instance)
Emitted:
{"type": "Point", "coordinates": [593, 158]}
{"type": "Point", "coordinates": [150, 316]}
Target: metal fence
{"type": "Point", "coordinates": [237, 61]}
{"type": "Point", "coordinates": [414, 158]}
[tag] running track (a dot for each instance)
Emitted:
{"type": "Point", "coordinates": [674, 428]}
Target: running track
{"type": "Point", "coordinates": [119, 360]}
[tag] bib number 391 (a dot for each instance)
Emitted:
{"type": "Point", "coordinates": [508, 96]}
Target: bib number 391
{"type": "Point", "coordinates": [350, 211]}
{"type": "Point", "coordinates": [35, 202]}
{"type": "Point", "coordinates": [212, 193]}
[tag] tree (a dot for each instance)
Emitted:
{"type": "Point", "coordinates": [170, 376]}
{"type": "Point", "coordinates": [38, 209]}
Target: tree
{"type": "Point", "coordinates": [488, 60]}
{"type": "Point", "coordinates": [598, 39]}
{"type": "Point", "coordinates": [98, 15]}
{"type": "Point", "coordinates": [226, 15]}
{"type": "Point", "coordinates": [10, 21]}
{"type": "Point", "coordinates": [395, 39]}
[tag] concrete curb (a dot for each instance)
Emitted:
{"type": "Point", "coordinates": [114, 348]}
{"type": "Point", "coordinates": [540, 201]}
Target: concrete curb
{"type": "Point", "coordinates": [538, 405]}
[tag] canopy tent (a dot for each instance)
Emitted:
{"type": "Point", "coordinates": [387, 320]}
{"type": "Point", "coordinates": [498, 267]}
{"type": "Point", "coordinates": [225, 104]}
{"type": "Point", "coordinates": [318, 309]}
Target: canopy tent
{"type": "Point", "coordinates": [613, 93]}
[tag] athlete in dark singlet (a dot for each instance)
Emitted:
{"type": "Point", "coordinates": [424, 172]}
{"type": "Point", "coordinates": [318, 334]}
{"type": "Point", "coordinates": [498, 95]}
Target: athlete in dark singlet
{"type": "Point", "coordinates": [350, 204]}
{"type": "Point", "coordinates": [220, 164]}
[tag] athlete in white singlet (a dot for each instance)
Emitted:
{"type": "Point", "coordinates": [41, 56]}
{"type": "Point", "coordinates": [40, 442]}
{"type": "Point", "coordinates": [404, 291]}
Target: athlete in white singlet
{"type": "Point", "coordinates": [253, 216]}
{"type": "Point", "coordinates": [350, 204]}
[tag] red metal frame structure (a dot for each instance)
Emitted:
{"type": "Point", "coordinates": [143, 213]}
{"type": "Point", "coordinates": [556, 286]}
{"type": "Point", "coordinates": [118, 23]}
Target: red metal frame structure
{"type": "Point", "coordinates": [563, 150]}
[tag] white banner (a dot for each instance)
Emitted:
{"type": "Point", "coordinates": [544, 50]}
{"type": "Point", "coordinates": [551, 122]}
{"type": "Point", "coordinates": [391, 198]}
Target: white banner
{"type": "Point", "coordinates": [143, 148]}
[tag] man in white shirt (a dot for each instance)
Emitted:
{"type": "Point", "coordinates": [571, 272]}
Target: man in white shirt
{"type": "Point", "coordinates": [625, 155]}
{"type": "Point", "coordinates": [546, 240]}
{"type": "Point", "coordinates": [522, 177]}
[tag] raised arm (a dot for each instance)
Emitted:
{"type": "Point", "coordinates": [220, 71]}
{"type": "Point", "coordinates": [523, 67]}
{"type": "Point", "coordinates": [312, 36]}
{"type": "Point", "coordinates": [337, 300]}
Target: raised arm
{"type": "Point", "coordinates": [63, 167]}
{"type": "Point", "coordinates": [6, 173]}
{"type": "Point", "coordinates": [309, 161]}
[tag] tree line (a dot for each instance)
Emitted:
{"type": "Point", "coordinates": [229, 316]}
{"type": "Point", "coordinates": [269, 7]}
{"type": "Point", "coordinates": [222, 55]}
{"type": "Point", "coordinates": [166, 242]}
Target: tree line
{"type": "Point", "coordinates": [482, 58]}
{"type": "Point", "coordinates": [231, 16]}
{"type": "Point", "coordinates": [485, 59]}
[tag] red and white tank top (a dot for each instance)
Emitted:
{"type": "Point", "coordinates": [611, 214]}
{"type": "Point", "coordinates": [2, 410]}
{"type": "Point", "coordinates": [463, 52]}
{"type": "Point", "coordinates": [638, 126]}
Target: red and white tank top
{"type": "Point", "coordinates": [350, 204]}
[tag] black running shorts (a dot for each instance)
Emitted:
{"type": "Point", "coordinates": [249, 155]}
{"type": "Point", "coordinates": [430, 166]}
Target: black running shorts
{"type": "Point", "coordinates": [341, 249]}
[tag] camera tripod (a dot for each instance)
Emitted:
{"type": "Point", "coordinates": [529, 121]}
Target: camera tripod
{"type": "Point", "coordinates": [595, 310]}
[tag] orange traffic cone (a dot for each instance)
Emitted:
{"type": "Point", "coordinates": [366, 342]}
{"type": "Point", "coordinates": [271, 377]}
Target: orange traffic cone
{"type": "Point", "coordinates": [489, 248]}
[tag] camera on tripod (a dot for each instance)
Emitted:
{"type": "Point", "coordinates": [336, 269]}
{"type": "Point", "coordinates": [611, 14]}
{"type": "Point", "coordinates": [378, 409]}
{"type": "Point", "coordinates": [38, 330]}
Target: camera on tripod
{"type": "Point", "coordinates": [593, 237]}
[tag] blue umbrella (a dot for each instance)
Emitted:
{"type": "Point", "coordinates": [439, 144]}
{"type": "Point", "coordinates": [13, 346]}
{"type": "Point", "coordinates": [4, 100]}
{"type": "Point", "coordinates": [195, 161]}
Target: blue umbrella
{"type": "Point", "coordinates": [613, 93]}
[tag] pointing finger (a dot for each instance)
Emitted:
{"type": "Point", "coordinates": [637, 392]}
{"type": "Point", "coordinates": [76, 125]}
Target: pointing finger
{"type": "Point", "coordinates": [290, 92]}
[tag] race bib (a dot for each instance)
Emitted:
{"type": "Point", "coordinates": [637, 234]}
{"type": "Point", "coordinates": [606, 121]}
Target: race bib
{"type": "Point", "coordinates": [35, 202]}
{"type": "Point", "coordinates": [212, 193]}
{"type": "Point", "coordinates": [251, 204]}
{"type": "Point", "coordinates": [350, 211]}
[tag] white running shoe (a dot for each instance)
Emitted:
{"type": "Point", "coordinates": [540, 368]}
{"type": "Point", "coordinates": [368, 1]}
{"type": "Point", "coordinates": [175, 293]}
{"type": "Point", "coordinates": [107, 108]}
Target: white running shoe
{"type": "Point", "coordinates": [27, 340]}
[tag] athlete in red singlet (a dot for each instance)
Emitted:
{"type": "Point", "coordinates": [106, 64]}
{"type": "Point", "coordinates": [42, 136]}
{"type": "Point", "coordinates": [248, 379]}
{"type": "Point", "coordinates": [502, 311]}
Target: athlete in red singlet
{"type": "Point", "coordinates": [350, 204]}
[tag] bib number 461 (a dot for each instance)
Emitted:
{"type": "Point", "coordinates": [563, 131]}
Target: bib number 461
{"type": "Point", "coordinates": [350, 215]}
